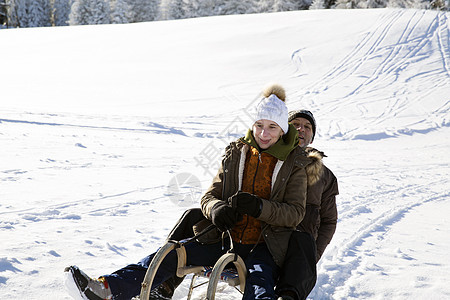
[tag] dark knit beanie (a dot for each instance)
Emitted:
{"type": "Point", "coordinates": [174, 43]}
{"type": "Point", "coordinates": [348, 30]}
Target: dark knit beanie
{"type": "Point", "coordinates": [303, 113]}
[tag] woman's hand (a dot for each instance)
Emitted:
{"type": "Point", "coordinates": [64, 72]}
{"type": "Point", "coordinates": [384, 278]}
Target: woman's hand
{"type": "Point", "coordinates": [246, 203]}
{"type": "Point", "coordinates": [224, 216]}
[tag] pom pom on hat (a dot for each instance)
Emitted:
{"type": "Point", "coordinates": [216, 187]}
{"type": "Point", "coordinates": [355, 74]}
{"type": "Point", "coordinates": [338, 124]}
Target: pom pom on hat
{"type": "Point", "coordinates": [275, 89]}
{"type": "Point", "coordinates": [272, 107]}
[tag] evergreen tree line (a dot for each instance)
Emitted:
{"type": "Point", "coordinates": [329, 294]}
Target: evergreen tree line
{"type": "Point", "coordinates": [42, 13]}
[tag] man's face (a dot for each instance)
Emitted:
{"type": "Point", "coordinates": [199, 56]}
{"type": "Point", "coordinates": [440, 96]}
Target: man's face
{"type": "Point", "coordinates": [305, 132]}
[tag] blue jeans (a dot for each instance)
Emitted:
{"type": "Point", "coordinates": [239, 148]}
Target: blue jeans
{"type": "Point", "coordinates": [261, 270]}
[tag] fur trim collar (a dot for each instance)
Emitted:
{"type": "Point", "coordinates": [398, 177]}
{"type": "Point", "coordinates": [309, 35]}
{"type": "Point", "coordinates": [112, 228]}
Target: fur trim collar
{"type": "Point", "coordinates": [315, 169]}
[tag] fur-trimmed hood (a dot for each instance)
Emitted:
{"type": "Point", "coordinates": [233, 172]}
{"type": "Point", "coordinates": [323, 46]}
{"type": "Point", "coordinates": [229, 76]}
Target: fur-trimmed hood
{"type": "Point", "coordinates": [315, 169]}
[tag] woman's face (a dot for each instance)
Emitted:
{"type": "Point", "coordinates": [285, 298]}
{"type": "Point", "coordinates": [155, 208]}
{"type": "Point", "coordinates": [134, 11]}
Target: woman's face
{"type": "Point", "coordinates": [266, 133]}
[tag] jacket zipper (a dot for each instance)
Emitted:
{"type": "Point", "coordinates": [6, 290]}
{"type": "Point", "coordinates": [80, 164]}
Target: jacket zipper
{"type": "Point", "coordinates": [253, 192]}
{"type": "Point", "coordinates": [256, 172]}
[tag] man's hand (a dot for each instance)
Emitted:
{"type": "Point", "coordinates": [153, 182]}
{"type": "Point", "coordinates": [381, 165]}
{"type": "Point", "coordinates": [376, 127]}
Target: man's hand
{"type": "Point", "coordinates": [224, 216]}
{"type": "Point", "coordinates": [246, 203]}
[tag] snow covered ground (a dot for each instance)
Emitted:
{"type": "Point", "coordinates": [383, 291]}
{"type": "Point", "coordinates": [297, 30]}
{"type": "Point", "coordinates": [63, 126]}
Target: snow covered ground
{"type": "Point", "coordinates": [108, 133]}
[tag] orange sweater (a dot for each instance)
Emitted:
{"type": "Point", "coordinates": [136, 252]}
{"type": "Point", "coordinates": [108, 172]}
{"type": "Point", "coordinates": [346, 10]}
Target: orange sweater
{"type": "Point", "coordinates": [257, 180]}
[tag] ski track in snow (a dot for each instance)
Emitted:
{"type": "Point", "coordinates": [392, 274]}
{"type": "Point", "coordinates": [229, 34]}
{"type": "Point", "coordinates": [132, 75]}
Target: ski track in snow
{"type": "Point", "coordinates": [349, 254]}
{"type": "Point", "coordinates": [378, 62]}
{"type": "Point", "coordinates": [369, 208]}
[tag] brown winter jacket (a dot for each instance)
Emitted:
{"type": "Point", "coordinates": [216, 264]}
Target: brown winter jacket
{"type": "Point", "coordinates": [285, 208]}
{"type": "Point", "coordinates": [321, 212]}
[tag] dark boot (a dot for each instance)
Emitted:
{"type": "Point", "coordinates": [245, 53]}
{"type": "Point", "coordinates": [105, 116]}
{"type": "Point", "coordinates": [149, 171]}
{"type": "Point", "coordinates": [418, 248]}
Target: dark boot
{"type": "Point", "coordinates": [166, 289]}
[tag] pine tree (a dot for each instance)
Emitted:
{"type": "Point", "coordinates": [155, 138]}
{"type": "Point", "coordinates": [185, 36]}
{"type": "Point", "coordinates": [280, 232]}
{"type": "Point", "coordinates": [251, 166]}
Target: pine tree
{"type": "Point", "coordinates": [89, 12]}
{"type": "Point", "coordinates": [439, 4]}
{"type": "Point", "coordinates": [317, 4]}
{"type": "Point", "coordinates": [285, 5]}
{"type": "Point", "coordinates": [191, 9]}
{"type": "Point", "coordinates": [304, 4]}
{"type": "Point", "coordinates": [3, 13]}
{"type": "Point", "coordinates": [176, 10]}
{"type": "Point", "coordinates": [345, 4]}
{"type": "Point", "coordinates": [204, 8]}
{"type": "Point", "coordinates": [264, 6]}
{"type": "Point", "coordinates": [18, 13]}
{"type": "Point", "coordinates": [143, 10]}
{"type": "Point", "coordinates": [29, 13]}
{"type": "Point", "coordinates": [119, 12]}
{"type": "Point", "coordinates": [78, 13]}
{"type": "Point", "coordinates": [61, 11]}
{"type": "Point", "coordinates": [420, 4]}
{"type": "Point", "coordinates": [330, 3]}
{"type": "Point", "coordinates": [235, 7]}
{"type": "Point", "coordinates": [371, 4]}
{"type": "Point", "coordinates": [100, 10]}
{"type": "Point", "coordinates": [39, 13]}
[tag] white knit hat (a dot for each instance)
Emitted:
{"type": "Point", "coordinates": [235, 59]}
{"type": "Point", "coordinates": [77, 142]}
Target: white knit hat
{"type": "Point", "coordinates": [274, 109]}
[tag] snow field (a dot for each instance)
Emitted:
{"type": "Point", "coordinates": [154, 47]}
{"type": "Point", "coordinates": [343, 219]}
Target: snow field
{"type": "Point", "coordinates": [97, 120]}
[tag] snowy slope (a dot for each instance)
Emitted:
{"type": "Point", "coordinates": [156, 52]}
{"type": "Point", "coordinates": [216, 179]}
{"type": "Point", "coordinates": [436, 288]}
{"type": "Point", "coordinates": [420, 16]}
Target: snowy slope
{"type": "Point", "coordinates": [97, 121]}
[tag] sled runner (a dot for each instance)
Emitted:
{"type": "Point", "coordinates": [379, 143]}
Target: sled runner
{"type": "Point", "coordinates": [219, 272]}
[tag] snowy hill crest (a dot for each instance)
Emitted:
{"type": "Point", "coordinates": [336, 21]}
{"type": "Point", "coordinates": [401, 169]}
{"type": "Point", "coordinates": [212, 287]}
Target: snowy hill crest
{"type": "Point", "coordinates": [98, 121]}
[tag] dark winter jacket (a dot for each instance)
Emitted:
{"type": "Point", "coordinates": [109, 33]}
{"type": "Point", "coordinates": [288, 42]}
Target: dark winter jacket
{"type": "Point", "coordinates": [286, 207]}
{"type": "Point", "coordinates": [321, 212]}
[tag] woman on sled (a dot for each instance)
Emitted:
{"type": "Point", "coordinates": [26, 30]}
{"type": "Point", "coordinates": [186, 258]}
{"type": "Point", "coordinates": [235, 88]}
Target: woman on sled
{"type": "Point", "coordinates": [258, 195]}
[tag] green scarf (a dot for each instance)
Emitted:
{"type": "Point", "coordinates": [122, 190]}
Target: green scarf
{"type": "Point", "coordinates": [281, 148]}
